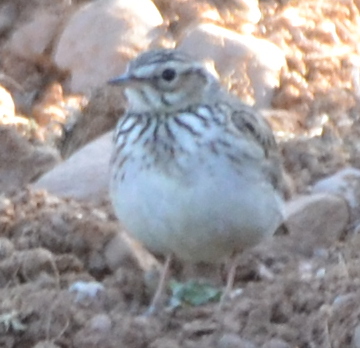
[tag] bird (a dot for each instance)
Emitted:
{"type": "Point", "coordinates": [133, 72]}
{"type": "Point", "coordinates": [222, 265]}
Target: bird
{"type": "Point", "coordinates": [195, 173]}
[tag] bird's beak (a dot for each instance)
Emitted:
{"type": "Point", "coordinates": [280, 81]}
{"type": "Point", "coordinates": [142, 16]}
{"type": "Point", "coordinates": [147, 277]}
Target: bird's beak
{"type": "Point", "coordinates": [121, 80]}
{"type": "Point", "coordinates": [125, 80]}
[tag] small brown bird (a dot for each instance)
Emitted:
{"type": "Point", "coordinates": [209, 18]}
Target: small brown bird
{"type": "Point", "coordinates": [195, 173]}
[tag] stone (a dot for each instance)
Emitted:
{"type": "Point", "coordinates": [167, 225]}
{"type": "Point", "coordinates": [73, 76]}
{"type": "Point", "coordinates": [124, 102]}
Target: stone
{"type": "Point", "coordinates": [165, 342]}
{"type": "Point", "coordinates": [231, 340]}
{"type": "Point", "coordinates": [86, 290]}
{"type": "Point", "coordinates": [46, 344]}
{"type": "Point", "coordinates": [235, 56]}
{"type": "Point", "coordinates": [123, 249]}
{"type": "Point", "coordinates": [317, 220]}
{"type": "Point", "coordinates": [50, 109]}
{"type": "Point", "coordinates": [117, 252]}
{"type": "Point", "coordinates": [101, 323]}
{"type": "Point", "coordinates": [20, 161]}
{"type": "Point", "coordinates": [7, 106]}
{"type": "Point", "coordinates": [84, 175]}
{"type": "Point", "coordinates": [356, 337]}
{"type": "Point", "coordinates": [116, 30]}
{"type": "Point", "coordinates": [345, 183]}
{"type": "Point", "coordinates": [33, 39]}
{"type": "Point", "coordinates": [8, 15]}
{"type": "Point", "coordinates": [8, 116]}
{"type": "Point", "coordinates": [251, 10]}
{"type": "Point", "coordinates": [6, 248]}
{"type": "Point", "coordinates": [276, 343]}
{"type": "Point", "coordinates": [100, 115]}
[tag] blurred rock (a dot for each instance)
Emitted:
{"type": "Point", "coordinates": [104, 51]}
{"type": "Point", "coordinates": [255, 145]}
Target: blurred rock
{"type": "Point", "coordinates": [20, 161]}
{"type": "Point", "coordinates": [236, 56]}
{"type": "Point", "coordinates": [6, 248]}
{"type": "Point", "coordinates": [317, 220]}
{"type": "Point", "coordinates": [7, 107]}
{"type": "Point", "coordinates": [50, 109]}
{"type": "Point", "coordinates": [276, 343]}
{"type": "Point", "coordinates": [345, 183]}
{"type": "Point", "coordinates": [105, 107]}
{"type": "Point", "coordinates": [116, 30]}
{"type": "Point", "coordinates": [32, 40]}
{"type": "Point", "coordinates": [8, 117]}
{"type": "Point", "coordinates": [84, 175]}
{"type": "Point", "coordinates": [245, 12]}
{"type": "Point", "coordinates": [30, 264]}
{"type": "Point", "coordinates": [122, 249]}
{"type": "Point", "coordinates": [46, 344]}
{"type": "Point", "coordinates": [231, 340]}
{"type": "Point", "coordinates": [101, 323]}
{"type": "Point", "coordinates": [117, 252]}
{"type": "Point", "coordinates": [85, 290]}
{"type": "Point", "coordinates": [165, 342]}
{"type": "Point", "coordinates": [356, 337]}
{"type": "Point", "coordinates": [8, 14]}
{"type": "Point", "coordinates": [250, 10]}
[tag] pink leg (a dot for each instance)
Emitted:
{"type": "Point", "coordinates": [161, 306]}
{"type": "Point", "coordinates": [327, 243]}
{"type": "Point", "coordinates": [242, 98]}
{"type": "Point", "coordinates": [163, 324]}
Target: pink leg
{"type": "Point", "coordinates": [153, 308]}
{"type": "Point", "coordinates": [229, 280]}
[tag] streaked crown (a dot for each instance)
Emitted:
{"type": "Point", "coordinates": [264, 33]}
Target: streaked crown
{"type": "Point", "coordinates": [166, 81]}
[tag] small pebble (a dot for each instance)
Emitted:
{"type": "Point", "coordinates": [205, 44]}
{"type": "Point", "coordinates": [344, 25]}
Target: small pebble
{"type": "Point", "coordinates": [276, 343]}
{"type": "Point", "coordinates": [101, 323]}
{"type": "Point", "coordinates": [356, 337]}
{"type": "Point", "coordinates": [46, 344]}
{"type": "Point", "coordinates": [86, 290]}
{"type": "Point", "coordinates": [231, 340]}
{"type": "Point", "coordinates": [343, 299]}
{"type": "Point", "coordinates": [6, 248]}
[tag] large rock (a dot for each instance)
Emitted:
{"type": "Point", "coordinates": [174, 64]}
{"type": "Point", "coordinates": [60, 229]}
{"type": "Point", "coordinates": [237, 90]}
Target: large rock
{"type": "Point", "coordinates": [100, 115]}
{"type": "Point", "coordinates": [345, 183]}
{"type": "Point", "coordinates": [101, 37]}
{"type": "Point", "coordinates": [84, 175]}
{"type": "Point", "coordinates": [20, 161]}
{"type": "Point", "coordinates": [236, 56]}
{"type": "Point", "coordinates": [32, 40]}
{"type": "Point", "coordinates": [8, 15]}
{"type": "Point", "coordinates": [317, 220]}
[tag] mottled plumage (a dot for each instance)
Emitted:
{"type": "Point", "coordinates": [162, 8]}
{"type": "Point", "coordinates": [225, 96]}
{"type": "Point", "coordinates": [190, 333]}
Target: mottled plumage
{"type": "Point", "coordinates": [195, 172]}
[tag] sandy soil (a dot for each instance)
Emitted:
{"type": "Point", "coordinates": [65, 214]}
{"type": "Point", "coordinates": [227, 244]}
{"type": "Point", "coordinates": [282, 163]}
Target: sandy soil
{"type": "Point", "coordinates": [303, 297]}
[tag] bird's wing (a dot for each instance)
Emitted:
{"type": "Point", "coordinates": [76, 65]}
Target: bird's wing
{"type": "Point", "coordinates": [252, 125]}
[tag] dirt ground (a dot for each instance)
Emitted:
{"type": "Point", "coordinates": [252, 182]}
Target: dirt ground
{"type": "Point", "coordinates": [64, 282]}
{"type": "Point", "coordinates": [49, 247]}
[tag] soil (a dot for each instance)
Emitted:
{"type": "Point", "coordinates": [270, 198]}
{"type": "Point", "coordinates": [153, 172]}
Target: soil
{"type": "Point", "coordinates": [59, 287]}
{"type": "Point", "coordinates": [64, 284]}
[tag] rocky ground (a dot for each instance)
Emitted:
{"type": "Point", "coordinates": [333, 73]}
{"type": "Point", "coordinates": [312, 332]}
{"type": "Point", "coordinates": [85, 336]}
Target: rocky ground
{"type": "Point", "coordinates": [70, 276]}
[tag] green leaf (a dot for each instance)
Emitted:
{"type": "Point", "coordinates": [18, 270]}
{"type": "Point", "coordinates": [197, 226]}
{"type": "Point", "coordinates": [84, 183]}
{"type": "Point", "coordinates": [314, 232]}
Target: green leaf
{"type": "Point", "coordinates": [192, 293]}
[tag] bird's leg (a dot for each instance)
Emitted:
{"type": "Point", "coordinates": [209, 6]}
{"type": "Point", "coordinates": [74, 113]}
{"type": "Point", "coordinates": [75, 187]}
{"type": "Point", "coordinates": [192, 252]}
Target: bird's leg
{"type": "Point", "coordinates": [229, 280]}
{"type": "Point", "coordinates": [153, 308]}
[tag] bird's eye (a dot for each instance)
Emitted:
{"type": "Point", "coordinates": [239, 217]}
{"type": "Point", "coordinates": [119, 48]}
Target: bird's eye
{"type": "Point", "coordinates": [168, 74]}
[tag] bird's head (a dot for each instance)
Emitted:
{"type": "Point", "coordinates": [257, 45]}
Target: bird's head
{"type": "Point", "coordinates": [164, 81]}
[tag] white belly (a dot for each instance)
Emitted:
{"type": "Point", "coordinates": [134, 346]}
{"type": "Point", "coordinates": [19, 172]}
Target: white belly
{"type": "Point", "coordinates": [205, 217]}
